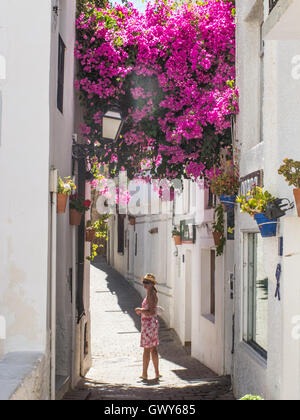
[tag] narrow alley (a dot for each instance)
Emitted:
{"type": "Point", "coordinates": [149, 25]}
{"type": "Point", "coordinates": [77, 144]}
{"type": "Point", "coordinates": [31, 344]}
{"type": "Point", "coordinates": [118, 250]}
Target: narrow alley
{"type": "Point", "coordinates": [117, 356]}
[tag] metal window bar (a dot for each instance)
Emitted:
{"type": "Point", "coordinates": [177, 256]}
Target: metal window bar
{"type": "Point", "coordinates": [272, 4]}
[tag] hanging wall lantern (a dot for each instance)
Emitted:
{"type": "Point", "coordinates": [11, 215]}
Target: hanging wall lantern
{"type": "Point", "coordinates": [112, 124]}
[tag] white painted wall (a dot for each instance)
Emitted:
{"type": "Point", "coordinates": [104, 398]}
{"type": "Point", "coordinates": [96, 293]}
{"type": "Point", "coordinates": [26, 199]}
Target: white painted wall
{"type": "Point", "coordinates": [24, 182]}
{"type": "Point", "coordinates": [290, 358]}
{"type": "Point", "coordinates": [34, 136]}
{"type": "Point", "coordinates": [24, 174]}
{"type": "Point", "coordinates": [211, 336]}
{"type": "Point", "coordinates": [281, 128]}
{"type": "Point", "coordinates": [283, 23]}
{"type": "Point", "coordinates": [62, 128]}
{"type": "Point", "coordinates": [152, 256]}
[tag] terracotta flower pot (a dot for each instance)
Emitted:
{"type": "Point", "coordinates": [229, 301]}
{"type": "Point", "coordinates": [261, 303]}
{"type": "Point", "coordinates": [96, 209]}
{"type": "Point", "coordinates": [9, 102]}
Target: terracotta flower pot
{"type": "Point", "coordinates": [90, 235]}
{"type": "Point", "coordinates": [217, 238]}
{"type": "Point", "coordinates": [75, 217]}
{"type": "Point", "coordinates": [297, 199]}
{"type": "Point", "coordinates": [177, 240]}
{"type": "Point", "coordinates": [62, 203]}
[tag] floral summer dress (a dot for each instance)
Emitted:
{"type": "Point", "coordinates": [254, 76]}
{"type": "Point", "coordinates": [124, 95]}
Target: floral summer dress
{"type": "Point", "coordinates": [150, 324]}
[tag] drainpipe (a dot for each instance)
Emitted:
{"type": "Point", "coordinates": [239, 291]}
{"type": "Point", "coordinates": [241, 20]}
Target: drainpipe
{"type": "Point", "coordinates": [53, 191]}
{"type": "Point", "coordinates": [74, 276]}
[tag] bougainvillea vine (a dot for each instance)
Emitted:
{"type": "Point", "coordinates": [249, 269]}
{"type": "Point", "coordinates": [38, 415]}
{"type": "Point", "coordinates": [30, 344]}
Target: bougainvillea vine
{"type": "Point", "coordinates": [172, 70]}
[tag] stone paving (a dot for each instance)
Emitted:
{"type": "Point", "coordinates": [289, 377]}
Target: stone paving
{"type": "Point", "coordinates": [117, 356]}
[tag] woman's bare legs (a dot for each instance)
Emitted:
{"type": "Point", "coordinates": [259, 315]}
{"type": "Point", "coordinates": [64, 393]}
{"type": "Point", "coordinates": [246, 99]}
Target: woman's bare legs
{"type": "Point", "coordinates": [146, 360]}
{"type": "Point", "coordinates": [155, 360]}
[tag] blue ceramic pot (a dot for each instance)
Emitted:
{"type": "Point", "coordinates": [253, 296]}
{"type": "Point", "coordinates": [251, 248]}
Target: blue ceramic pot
{"type": "Point", "coordinates": [228, 201]}
{"type": "Point", "coordinates": [267, 227]}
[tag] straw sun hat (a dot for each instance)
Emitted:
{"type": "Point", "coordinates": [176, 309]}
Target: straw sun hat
{"type": "Point", "coordinates": [150, 277]}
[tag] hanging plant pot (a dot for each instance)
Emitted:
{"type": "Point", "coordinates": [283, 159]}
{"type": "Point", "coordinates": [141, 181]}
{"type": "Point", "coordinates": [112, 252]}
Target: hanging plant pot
{"type": "Point", "coordinates": [228, 201]}
{"type": "Point", "coordinates": [297, 199]}
{"type": "Point", "coordinates": [177, 240]}
{"type": "Point", "coordinates": [62, 203]}
{"type": "Point", "coordinates": [267, 227]}
{"type": "Point", "coordinates": [217, 238]}
{"type": "Point", "coordinates": [90, 235]}
{"type": "Point", "coordinates": [75, 217]}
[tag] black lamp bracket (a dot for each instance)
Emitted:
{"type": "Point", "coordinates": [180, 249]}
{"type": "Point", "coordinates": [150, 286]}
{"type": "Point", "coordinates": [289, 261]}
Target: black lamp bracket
{"type": "Point", "coordinates": [285, 207]}
{"type": "Point", "coordinates": [278, 208]}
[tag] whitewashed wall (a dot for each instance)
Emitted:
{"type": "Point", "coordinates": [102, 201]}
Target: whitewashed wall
{"type": "Point", "coordinates": [24, 173]}
{"type": "Point", "coordinates": [24, 178]}
{"type": "Point", "coordinates": [34, 136]}
{"type": "Point", "coordinates": [211, 337]}
{"type": "Point", "coordinates": [62, 128]}
{"type": "Point", "coordinates": [281, 129]}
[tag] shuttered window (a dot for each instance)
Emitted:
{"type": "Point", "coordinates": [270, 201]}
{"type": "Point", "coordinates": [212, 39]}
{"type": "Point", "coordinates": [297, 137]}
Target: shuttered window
{"type": "Point", "coordinates": [61, 74]}
{"type": "Point", "coordinates": [121, 234]}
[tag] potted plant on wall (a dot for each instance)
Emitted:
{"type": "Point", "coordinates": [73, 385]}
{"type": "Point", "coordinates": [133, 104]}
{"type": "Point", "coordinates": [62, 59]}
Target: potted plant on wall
{"type": "Point", "coordinates": [78, 206]}
{"type": "Point", "coordinates": [225, 182]}
{"type": "Point", "coordinates": [64, 189]}
{"type": "Point", "coordinates": [177, 236]}
{"type": "Point", "coordinates": [100, 228]}
{"type": "Point", "coordinates": [219, 230]}
{"type": "Point", "coordinates": [90, 232]}
{"type": "Point", "coordinates": [255, 204]}
{"type": "Point", "coordinates": [291, 171]}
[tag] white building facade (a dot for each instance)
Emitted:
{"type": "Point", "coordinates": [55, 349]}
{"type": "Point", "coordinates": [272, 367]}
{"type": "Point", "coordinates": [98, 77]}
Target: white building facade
{"type": "Point", "coordinates": [267, 345]}
{"type": "Point", "coordinates": [38, 263]}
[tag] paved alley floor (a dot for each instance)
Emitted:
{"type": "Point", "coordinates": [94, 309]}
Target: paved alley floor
{"type": "Point", "coordinates": [117, 356]}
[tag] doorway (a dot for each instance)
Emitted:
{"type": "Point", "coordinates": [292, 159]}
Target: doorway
{"type": "Point", "coordinates": [188, 298]}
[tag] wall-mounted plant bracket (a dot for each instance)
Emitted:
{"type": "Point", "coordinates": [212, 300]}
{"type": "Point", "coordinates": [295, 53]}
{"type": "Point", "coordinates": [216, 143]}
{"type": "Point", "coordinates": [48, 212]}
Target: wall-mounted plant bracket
{"type": "Point", "coordinates": [153, 231]}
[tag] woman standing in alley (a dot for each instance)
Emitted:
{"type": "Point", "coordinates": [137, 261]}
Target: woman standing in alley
{"type": "Point", "coordinates": [150, 325]}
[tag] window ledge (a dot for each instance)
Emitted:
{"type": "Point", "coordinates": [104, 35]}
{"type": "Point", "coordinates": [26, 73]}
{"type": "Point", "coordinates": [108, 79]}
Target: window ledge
{"type": "Point", "coordinates": [211, 318]}
{"type": "Point", "coordinates": [14, 369]}
{"type": "Point", "coordinates": [253, 354]}
{"type": "Point", "coordinates": [273, 28]}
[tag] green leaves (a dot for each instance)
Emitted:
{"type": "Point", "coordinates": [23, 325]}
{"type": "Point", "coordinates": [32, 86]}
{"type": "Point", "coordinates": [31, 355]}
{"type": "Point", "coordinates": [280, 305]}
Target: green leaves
{"type": "Point", "coordinates": [65, 186]}
{"type": "Point", "coordinates": [291, 171]}
{"type": "Point", "coordinates": [251, 398]}
{"type": "Point", "coordinates": [101, 229]}
{"type": "Point", "coordinates": [219, 227]}
{"type": "Point", "coordinates": [255, 201]}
